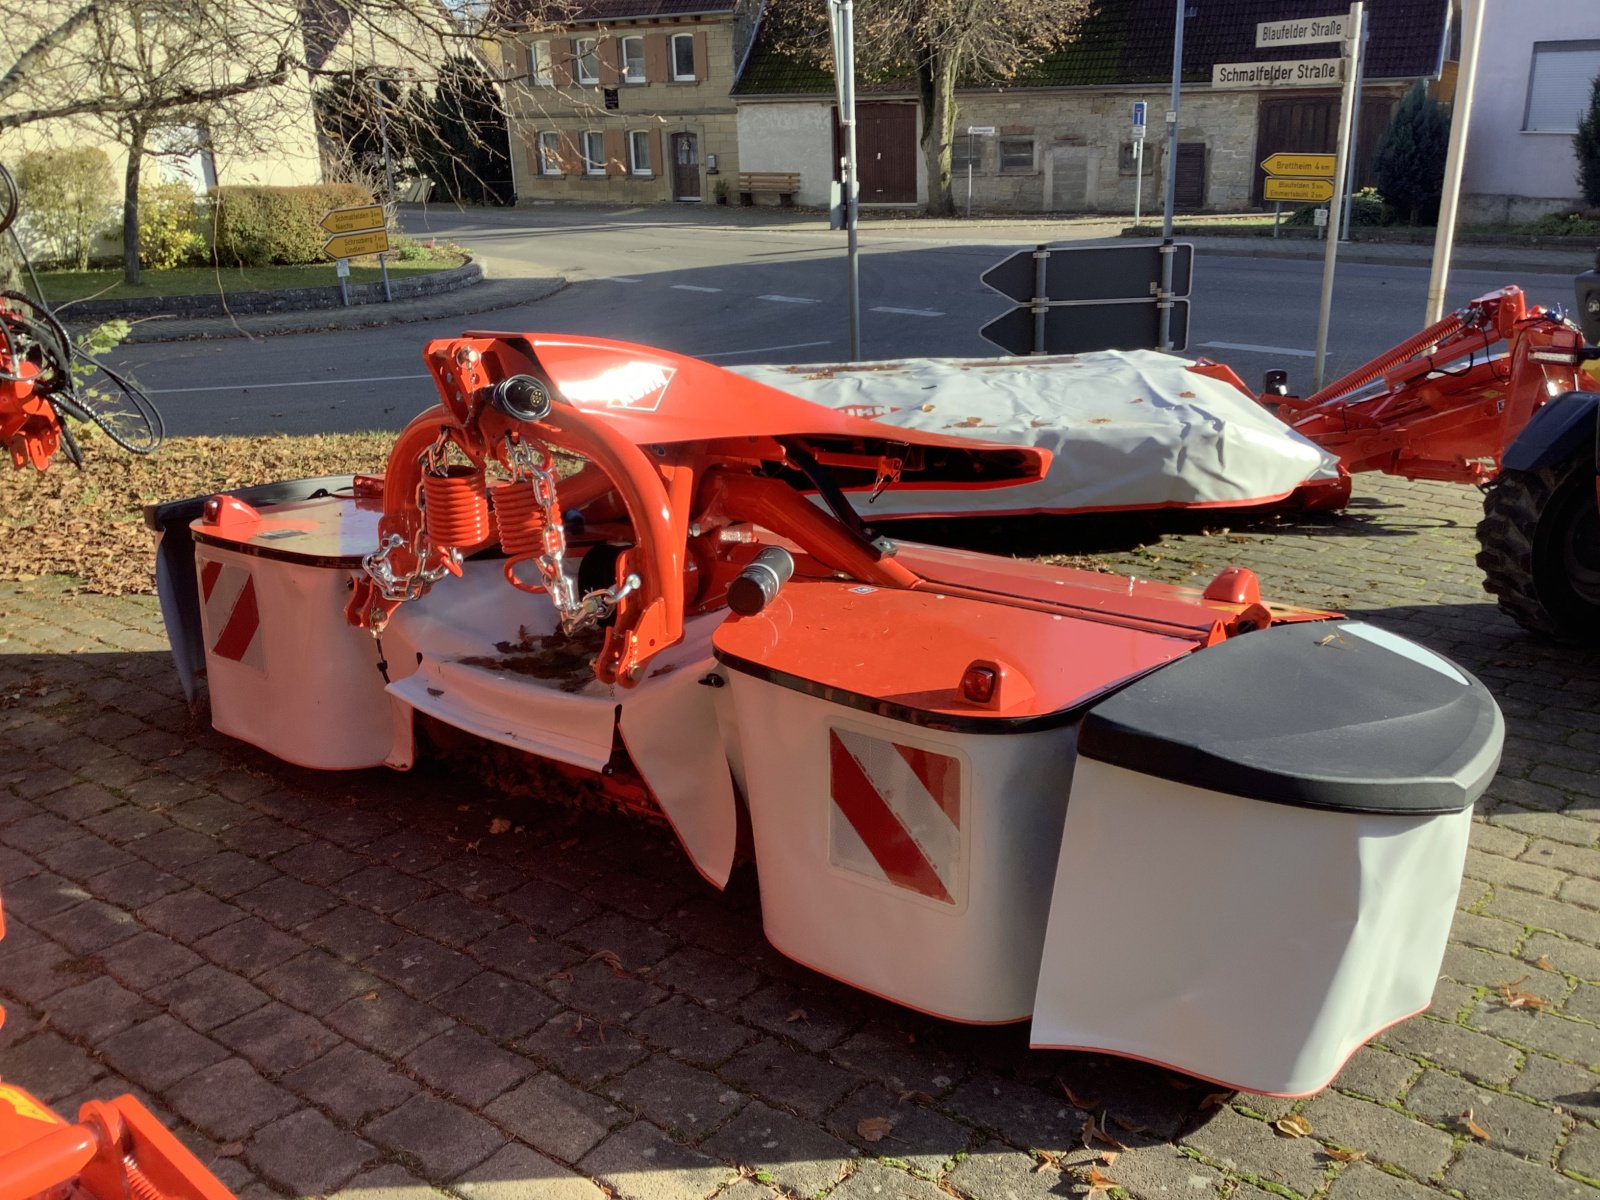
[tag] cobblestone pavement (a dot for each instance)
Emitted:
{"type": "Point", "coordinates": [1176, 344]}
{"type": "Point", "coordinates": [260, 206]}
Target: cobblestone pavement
{"type": "Point", "coordinates": [348, 985]}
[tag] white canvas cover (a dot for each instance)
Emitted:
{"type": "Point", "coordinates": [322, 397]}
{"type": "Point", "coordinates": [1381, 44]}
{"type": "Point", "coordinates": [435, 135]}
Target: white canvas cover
{"type": "Point", "coordinates": [1278, 939]}
{"type": "Point", "coordinates": [1127, 429]}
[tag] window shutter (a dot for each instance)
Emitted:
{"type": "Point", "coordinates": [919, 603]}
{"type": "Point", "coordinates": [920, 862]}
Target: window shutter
{"type": "Point", "coordinates": [571, 159]}
{"type": "Point", "coordinates": [616, 152]}
{"type": "Point", "coordinates": [562, 68]}
{"type": "Point", "coordinates": [700, 59]}
{"type": "Point", "coordinates": [1559, 84]}
{"type": "Point", "coordinates": [608, 52]}
{"type": "Point", "coordinates": [658, 165]}
{"type": "Point", "coordinates": [656, 69]}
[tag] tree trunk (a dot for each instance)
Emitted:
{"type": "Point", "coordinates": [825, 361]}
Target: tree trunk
{"type": "Point", "coordinates": [937, 83]}
{"type": "Point", "coordinates": [130, 204]}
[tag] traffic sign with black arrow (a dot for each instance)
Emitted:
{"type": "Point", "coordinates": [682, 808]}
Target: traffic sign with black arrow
{"type": "Point", "coordinates": [1092, 273]}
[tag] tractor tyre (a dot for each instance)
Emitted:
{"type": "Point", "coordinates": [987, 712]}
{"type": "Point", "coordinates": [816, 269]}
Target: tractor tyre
{"type": "Point", "coordinates": [1539, 548]}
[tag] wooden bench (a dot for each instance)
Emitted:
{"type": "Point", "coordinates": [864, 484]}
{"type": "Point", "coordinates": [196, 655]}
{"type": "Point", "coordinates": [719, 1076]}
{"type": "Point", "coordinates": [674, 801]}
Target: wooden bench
{"type": "Point", "coordinates": [783, 184]}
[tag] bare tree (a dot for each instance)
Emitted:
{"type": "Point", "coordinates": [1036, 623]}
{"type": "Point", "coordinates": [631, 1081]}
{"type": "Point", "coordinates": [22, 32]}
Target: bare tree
{"type": "Point", "coordinates": [941, 45]}
{"type": "Point", "coordinates": [238, 70]}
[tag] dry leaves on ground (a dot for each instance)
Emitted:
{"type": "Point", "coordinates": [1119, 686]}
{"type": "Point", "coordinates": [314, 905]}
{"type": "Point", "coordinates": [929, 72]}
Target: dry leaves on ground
{"type": "Point", "coordinates": [89, 523]}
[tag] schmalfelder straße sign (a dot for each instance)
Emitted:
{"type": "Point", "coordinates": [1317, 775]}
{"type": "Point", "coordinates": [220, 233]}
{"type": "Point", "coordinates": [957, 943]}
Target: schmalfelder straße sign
{"type": "Point", "coordinates": [1304, 72]}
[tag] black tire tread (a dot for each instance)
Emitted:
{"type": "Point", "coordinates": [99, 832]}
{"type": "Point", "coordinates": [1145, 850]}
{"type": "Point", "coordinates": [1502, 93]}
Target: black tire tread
{"type": "Point", "coordinates": [1512, 508]}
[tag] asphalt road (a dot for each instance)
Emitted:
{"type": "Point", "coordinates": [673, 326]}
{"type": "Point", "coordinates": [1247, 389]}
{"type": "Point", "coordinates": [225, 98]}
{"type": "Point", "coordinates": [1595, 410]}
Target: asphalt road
{"type": "Point", "coordinates": [772, 292]}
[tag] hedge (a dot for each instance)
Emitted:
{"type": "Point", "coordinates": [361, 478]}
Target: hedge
{"type": "Point", "coordinates": [260, 226]}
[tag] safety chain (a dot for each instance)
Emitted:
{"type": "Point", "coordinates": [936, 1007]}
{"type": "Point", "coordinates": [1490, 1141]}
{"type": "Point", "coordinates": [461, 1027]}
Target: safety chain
{"type": "Point", "coordinates": [377, 566]}
{"type": "Point", "coordinates": [575, 614]}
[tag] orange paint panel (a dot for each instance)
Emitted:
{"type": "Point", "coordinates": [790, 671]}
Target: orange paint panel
{"type": "Point", "coordinates": [835, 634]}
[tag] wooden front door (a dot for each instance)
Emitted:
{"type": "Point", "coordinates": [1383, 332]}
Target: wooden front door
{"type": "Point", "coordinates": [886, 153]}
{"type": "Point", "coordinates": [1293, 125]}
{"type": "Point", "coordinates": [1189, 190]}
{"type": "Point", "coordinates": [685, 166]}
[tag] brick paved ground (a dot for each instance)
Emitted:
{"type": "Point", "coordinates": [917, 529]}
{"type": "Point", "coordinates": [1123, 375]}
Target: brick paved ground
{"type": "Point", "coordinates": [345, 985]}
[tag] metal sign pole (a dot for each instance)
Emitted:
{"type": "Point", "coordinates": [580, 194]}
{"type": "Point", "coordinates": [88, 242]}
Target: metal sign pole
{"type": "Point", "coordinates": [1340, 168]}
{"type": "Point", "coordinates": [969, 171]}
{"type": "Point", "coordinates": [844, 65]}
{"type": "Point", "coordinates": [388, 173]}
{"type": "Point", "coordinates": [1450, 199]}
{"type": "Point", "coordinates": [1171, 196]}
{"type": "Point", "coordinates": [1349, 180]}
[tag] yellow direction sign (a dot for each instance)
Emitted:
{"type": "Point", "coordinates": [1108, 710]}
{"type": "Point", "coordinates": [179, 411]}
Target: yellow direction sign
{"type": "Point", "coordinates": [350, 245]}
{"type": "Point", "coordinates": [1313, 191]}
{"type": "Point", "coordinates": [1317, 166]}
{"type": "Point", "coordinates": [355, 220]}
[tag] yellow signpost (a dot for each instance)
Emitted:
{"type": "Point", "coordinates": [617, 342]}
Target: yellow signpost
{"type": "Point", "coordinates": [1306, 191]}
{"type": "Point", "coordinates": [1315, 166]}
{"type": "Point", "coordinates": [349, 245]}
{"type": "Point", "coordinates": [353, 220]}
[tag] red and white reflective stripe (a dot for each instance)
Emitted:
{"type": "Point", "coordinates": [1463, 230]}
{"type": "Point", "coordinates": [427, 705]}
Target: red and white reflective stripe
{"type": "Point", "coordinates": [229, 596]}
{"type": "Point", "coordinates": [896, 813]}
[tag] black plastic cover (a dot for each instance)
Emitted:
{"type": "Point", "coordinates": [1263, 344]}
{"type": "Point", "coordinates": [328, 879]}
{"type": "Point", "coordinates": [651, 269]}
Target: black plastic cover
{"type": "Point", "coordinates": [1329, 715]}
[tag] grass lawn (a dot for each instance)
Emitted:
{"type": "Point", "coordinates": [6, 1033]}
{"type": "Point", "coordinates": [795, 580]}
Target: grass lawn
{"type": "Point", "coordinates": [61, 287]}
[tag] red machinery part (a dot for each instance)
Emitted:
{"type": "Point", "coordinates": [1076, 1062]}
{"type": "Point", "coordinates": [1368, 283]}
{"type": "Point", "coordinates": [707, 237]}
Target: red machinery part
{"type": "Point", "coordinates": [117, 1150]}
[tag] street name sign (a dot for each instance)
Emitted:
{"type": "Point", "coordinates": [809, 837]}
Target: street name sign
{"type": "Point", "coordinates": [1309, 191]}
{"type": "Point", "coordinates": [351, 245]}
{"type": "Point", "coordinates": [1303, 31]}
{"type": "Point", "coordinates": [980, 130]}
{"type": "Point", "coordinates": [1304, 72]}
{"type": "Point", "coordinates": [1312, 166]}
{"type": "Point", "coordinates": [353, 220]}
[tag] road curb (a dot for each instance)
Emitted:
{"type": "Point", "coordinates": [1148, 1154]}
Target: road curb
{"type": "Point", "coordinates": [488, 295]}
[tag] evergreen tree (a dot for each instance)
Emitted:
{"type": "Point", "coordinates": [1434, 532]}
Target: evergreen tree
{"type": "Point", "coordinates": [1586, 144]}
{"type": "Point", "coordinates": [464, 148]}
{"type": "Point", "coordinates": [1409, 161]}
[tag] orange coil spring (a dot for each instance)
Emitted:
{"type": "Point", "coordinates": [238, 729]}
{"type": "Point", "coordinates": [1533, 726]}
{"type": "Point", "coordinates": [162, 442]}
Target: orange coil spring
{"type": "Point", "coordinates": [1363, 375]}
{"type": "Point", "coordinates": [521, 519]}
{"type": "Point", "coordinates": [456, 507]}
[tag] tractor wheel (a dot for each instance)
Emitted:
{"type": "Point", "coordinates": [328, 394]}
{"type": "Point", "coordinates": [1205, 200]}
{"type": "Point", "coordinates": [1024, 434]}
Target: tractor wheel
{"type": "Point", "coordinates": [1539, 548]}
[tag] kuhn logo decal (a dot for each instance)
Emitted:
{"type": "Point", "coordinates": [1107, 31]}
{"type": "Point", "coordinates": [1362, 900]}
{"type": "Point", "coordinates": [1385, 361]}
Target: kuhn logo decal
{"type": "Point", "coordinates": [896, 814]}
{"type": "Point", "coordinates": [635, 386]}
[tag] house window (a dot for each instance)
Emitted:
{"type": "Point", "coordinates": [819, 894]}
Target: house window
{"type": "Point", "coordinates": [683, 56]}
{"type": "Point", "coordinates": [539, 64]}
{"type": "Point", "coordinates": [639, 152]}
{"type": "Point", "coordinates": [549, 153]}
{"type": "Point", "coordinates": [594, 152]}
{"type": "Point", "coordinates": [1016, 154]}
{"type": "Point", "coordinates": [633, 60]}
{"type": "Point", "coordinates": [1558, 85]}
{"type": "Point", "coordinates": [588, 60]}
{"type": "Point", "coordinates": [966, 152]}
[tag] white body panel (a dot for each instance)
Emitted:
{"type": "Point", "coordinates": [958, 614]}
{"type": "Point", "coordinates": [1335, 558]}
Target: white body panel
{"type": "Point", "coordinates": [1279, 940]}
{"type": "Point", "coordinates": [305, 686]}
{"type": "Point", "coordinates": [975, 958]}
{"type": "Point", "coordinates": [1127, 429]}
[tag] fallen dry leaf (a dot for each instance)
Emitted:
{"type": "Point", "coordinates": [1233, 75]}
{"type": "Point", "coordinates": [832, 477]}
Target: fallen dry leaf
{"type": "Point", "coordinates": [927, 408]}
{"type": "Point", "coordinates": [1214, 1100]}
{"type": "Point", "coordinates": [1093, 1133]}
{"type": "Point", "coordinates": [1046, 1159]}
{"type": "Point", "coordinates": [915, 1097]}
{"type": "Point", "coordinates": [796, 1014]}
{"type": "Point", "coordinates": [499, 825]}
{"type": "Point", "coordinates": [370, 996]}
{"type": "Point", "coordinates": [1345, 1155]}
{"type": "Point", "coordinates": [230, 1149]}
{"type": "Point", "coordinates": [1543, 963]}
{"type": "Point", "coordinates": [1514, 998]}
{"type": "Point", "coordinates": [1472, 1127]}
{"type": "Point", "coordinates": [1293, 1126]}
{"type": "Point", "coordinates": [609, 957]}
{"type": "Point", "coordinates": [1077, 1101]}
{"type": "Point", "coordinates": [1100, 1183]}
{"type": "Point", "coordinates": [873, 1129]}
{"type": "Point", "coordinates": [1109, 1157]}
{"type": "Point", "coordinates": [1128, 1126]}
